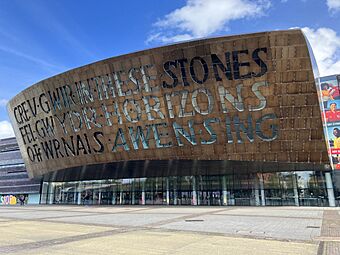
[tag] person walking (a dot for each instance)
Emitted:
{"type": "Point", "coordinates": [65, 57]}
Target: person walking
{"type": "Point", "coordinates": [22, 199]}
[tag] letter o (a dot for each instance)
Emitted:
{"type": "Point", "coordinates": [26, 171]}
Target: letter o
{"type": "Point", "coordinates": [205, 70]}
{"type": "Point", "coordinates": [31, 153]}
{"type": "Point", "coordinates": [210, 101]}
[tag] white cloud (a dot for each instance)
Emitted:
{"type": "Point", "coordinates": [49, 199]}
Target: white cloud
{"type": "Point", "coordinates": [3, 102]}
{"type": "Point", "coordinates": [326, 47]}
{"type": "Point", "coordinates": [201, 18]}
{"type": "Point", "coordinates": [333, 5]}
{"type": "Point", "coordinates": [6, 129]}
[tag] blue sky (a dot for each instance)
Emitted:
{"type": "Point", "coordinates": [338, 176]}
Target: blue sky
{"type": "Point", "coordinates": [40, 38]}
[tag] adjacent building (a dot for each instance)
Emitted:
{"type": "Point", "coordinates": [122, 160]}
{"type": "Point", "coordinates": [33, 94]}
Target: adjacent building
{"type": "Point", "coordinates": [14, 180]}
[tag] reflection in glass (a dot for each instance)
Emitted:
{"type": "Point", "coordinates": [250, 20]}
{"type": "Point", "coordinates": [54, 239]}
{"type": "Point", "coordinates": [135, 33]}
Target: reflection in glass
{"type": "Point", "coordinates": [241, 189]}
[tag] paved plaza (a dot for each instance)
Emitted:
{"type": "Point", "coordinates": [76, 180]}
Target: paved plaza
{"type": "Point", "coordinates": [168, 230]}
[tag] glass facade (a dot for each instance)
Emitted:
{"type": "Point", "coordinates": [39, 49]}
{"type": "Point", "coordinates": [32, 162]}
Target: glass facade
{"type": "Point", "coordinates": [306, 188]}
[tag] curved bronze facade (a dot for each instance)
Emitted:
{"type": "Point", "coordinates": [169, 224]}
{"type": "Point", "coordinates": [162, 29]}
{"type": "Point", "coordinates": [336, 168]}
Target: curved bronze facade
{"type": "Point", "coordinates": [248, 98]}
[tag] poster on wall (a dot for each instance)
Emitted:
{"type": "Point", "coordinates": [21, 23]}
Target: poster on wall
{"type": "Point", "coordinates": [8, 200]}
{"type": "Point", "coordinates": [330, 95]}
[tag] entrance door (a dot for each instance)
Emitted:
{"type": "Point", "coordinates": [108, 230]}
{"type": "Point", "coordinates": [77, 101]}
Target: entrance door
{"type": "Point", "coordinates": [126, 198]}
{"type": "Point", "coordinates": [185, 197]}
{"type": "Point", "coordinates": [106, 198]}
{"type": "Point", "coordinates": [209, 197]}
{"type": "Point", "coordinates": [242, 197]}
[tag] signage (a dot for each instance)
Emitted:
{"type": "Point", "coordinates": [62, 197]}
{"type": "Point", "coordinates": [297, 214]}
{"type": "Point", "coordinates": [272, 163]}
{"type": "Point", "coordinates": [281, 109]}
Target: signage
{"type": "Point", "coordinates": [330, 105]}
{"type": "Point", "coordinates": [124, 109]}
{"type": "Point", "coordinates": [8, 200]}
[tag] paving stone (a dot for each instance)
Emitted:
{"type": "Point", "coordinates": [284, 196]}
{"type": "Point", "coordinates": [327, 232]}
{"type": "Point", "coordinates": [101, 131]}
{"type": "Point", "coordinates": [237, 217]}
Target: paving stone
{"type": "Point", "coordinates": [164, 230]}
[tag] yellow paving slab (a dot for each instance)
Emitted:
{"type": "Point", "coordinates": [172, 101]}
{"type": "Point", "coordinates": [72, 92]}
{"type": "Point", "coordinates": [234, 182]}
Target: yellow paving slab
{"type": "Point", "coordinates": [14, 232]}
{"type": "Point", "coordinates": [155, 242]}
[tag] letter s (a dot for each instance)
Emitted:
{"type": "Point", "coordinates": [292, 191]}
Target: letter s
{"type": "Point", "coordinates": [98, 141]}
